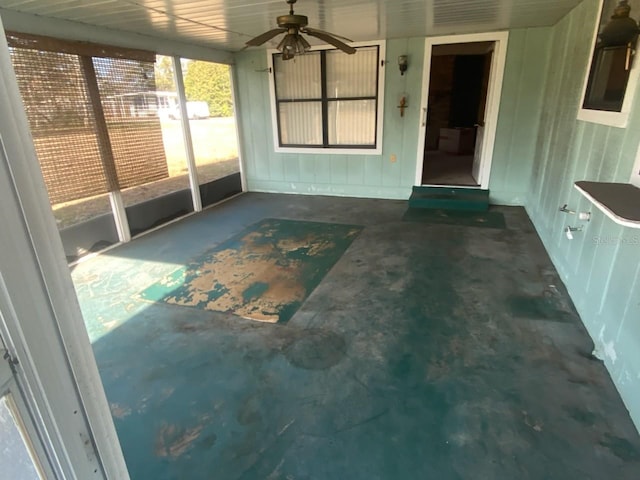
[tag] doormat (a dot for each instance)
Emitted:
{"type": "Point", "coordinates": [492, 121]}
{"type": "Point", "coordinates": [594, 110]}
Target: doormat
{"type": "Point", "coordinates": [463, 218]}
{"type": "Point", "coordinates": [264, 273]}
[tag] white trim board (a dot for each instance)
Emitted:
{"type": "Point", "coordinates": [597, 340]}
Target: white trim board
{"type": "Point", "coordinates": [235, 98]}
{"type": "Point", "coordinates": [494, 94]}
{"type": "Point", "coordinates": [612, 119]}
{"type": "Point", "coordinates": [60, 372]}
{"type": "Point", "coordinates": [635, 173]}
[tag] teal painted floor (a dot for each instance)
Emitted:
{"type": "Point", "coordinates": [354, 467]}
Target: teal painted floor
{"type": "Point", "coordinates": [428, 352]}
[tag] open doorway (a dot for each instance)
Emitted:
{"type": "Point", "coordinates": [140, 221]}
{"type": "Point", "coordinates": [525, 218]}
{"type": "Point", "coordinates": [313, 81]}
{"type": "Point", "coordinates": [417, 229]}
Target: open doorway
{"type": "Point", "coordinates": [461, 93]}
{"type": "Point", "coordinates": [458, 88]}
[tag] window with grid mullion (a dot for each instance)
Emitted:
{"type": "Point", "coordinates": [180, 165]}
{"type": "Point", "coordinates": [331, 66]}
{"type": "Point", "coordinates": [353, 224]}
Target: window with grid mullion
{"type": "Point", "coordinates": [328, 99]}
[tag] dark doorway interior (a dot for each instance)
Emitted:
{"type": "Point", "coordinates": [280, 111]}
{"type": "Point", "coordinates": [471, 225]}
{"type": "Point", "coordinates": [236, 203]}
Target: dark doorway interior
{"type": "Point", "coordinates": [457, 96]}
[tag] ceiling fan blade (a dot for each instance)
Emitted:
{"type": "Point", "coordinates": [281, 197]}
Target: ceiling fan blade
{"type": "Point", "coordinates": [339, 37]}
{"type": "Point", "coordinates": [266, 36]}
{"type": "Point", "coordinates": [331, 40]}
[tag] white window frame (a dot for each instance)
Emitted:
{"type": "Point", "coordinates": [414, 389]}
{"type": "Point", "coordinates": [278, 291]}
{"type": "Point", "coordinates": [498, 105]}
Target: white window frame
{"type": "Point", "coordinates": [381, 44]}
{"type": "Point", "coordinates": [612, 119]}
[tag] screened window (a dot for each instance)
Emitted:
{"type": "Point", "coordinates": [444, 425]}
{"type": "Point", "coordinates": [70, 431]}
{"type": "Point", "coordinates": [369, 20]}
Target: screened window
{"type": "Point", "coordinates": [608, 78]}
{"type": "Point", "coordinates": [92, 114]}
{"type": "Point", "coordinates": [327, 99]}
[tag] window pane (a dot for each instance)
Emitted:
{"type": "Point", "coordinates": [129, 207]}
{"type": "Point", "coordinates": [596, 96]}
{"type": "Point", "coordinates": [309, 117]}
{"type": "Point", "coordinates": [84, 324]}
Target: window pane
{"type": "Point", "coordinates": [298, 78]}
{"type": "Point", "coordinates": [62, 123]}
{"type": "Point", "coordinates": [16, 461]}
{"type": "Point", "coordinates": [63, 126]}
{"type": "Point", "coordinates": [301, 123]}
{"type": "Point", "coordinates": [352, 122]}
{"type": "Point", "coordinates": [608, 79]}
{"type": "Point", "coordinates": [352, 75]}
{"type": "Point", "coordinates": [163, 199]}
{"type": "Point", "coordinates": [130, 106]}
{"type": "Point", "coordinates": [207, 86]}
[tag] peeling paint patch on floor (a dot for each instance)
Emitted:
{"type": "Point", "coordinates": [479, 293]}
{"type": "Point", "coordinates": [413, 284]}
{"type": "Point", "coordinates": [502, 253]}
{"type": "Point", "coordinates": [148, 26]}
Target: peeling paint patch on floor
{"type": "Point", "coordinates": [173, 441]}
{"type": "Point", "coordinates": [263, 274]}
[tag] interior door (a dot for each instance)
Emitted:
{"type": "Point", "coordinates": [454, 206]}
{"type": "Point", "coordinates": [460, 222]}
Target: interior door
{"type": "Point", "coordinates": [476, 169]}
{"type": "Point", "coordinates": [19, 451]}
{"type": "Point", "coordinates": [477, 153]}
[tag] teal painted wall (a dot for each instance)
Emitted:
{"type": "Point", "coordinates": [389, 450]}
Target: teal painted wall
{"type": "Point", "coordinates": [375, 175]}
{"type": "Point", "coordinates": [601, 272]}
{"type": "Point", "coordinates": [519, 117]}
{"type": "Point", "coordinates": [348, 175]}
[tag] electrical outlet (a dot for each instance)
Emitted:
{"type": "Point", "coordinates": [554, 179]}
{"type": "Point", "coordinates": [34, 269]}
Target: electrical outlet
{"type": "Point", "coordinates": [394, 159]}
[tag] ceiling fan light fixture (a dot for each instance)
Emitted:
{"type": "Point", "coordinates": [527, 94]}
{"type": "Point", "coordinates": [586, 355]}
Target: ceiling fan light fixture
{"type": "Point", "coordinates": [293, 43]}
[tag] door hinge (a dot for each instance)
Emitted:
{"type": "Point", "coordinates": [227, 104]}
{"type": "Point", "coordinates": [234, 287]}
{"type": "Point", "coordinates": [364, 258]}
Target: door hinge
{"type": "Point", "coordinates": [11, 360]}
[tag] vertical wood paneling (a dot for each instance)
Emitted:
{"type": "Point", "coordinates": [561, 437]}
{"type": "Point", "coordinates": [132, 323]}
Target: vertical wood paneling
{"type": "Point", "coordinates": [307, 169]}
{"type": "Point", "coordinates": [414, 49]}
{"type": "Point", "coordinates": [377, 175]}
{"type": "Point", "coordinates": [323, 169]}
{"type": "Point", "coordinates": [338, 169]}
{"type": "Point", "coordinates": [356, 175]}
{"type": "Point", "coordinates": [601, 265]}
{"type": "Point", "coordinates": [291, 168]}
{"type": "Point", "coordinates": [355, 170]}
{"type": "Point", "coordinates": [519, 116]}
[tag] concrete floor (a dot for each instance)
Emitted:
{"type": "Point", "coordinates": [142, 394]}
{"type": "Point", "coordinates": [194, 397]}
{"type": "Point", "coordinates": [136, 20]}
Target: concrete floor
{"type": "Point", "coordinates": [442, 168]}
{"type": "Point", "coordinates": [428, 351]}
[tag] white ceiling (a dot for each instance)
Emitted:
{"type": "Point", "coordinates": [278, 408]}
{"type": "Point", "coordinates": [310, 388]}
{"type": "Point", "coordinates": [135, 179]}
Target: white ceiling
{"type": "Point", "coordinates": [228, 24]}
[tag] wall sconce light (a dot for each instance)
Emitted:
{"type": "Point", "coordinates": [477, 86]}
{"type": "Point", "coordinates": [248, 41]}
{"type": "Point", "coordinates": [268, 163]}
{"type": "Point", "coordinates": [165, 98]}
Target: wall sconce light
{"type": "Point", "coordinates": [621, 29]}
{"type": "Point", "coordinates": [403, 63]}
{"type": "Point", "coordinates": [403, 104]}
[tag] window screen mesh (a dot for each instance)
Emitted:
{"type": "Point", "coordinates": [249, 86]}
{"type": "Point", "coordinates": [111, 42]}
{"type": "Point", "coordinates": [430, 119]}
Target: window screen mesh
{"type": "Point", "coordinates": [62, 124]}
{"type": "Point", "coordinates": [77, 157]}
{"type": "Point", "coordinates": [130, 105]}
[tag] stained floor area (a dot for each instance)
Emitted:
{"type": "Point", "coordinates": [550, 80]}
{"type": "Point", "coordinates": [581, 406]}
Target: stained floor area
{"type": "Point", "coordinates": [428, 351]}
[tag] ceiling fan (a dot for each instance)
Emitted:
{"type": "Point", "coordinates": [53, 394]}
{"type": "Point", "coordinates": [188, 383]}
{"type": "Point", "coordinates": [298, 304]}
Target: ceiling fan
{"type": "Point", "coordinates": [293, 42]}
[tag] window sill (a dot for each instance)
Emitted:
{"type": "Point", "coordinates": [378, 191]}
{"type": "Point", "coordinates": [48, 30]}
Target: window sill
{"type": "Point", "coordinates": [330, 151]}
{"type": "Point", "coordinates": [618, 201]}
{"type": "Point", "coordinates": [611, 119]}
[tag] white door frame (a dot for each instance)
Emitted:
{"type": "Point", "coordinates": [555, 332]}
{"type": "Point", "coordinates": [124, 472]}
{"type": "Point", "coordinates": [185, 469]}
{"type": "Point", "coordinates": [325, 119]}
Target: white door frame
{"type": "Point", "coordinates": [41, 323]}
{"type": "Point", "coordinates": [494, 93]}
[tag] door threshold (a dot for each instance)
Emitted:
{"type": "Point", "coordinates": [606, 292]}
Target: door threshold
{"type": "Point", "coordinates": [476, 187]}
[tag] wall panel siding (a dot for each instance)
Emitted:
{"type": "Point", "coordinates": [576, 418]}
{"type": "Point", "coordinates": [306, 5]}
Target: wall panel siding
{"type": "Point", "coordinates": [601, 266]}
{"type": "Point", "coordinates": [519, 116]}
{"type": "Point", "coordinates": [377, 175]}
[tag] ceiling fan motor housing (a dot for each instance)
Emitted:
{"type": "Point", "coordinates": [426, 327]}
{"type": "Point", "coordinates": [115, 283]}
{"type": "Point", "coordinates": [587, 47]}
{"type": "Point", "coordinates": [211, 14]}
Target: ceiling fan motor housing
{"type": "Point", "coordinates": [292, 21]}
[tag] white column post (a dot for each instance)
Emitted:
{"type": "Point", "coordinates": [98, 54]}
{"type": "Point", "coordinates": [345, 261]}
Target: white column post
{"type": "Point", "coordinates": [120, 216]}
{"type": "Point", "coordinates": [186, 135]}
{"type": "Point", "coordinates": [236, 117]}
